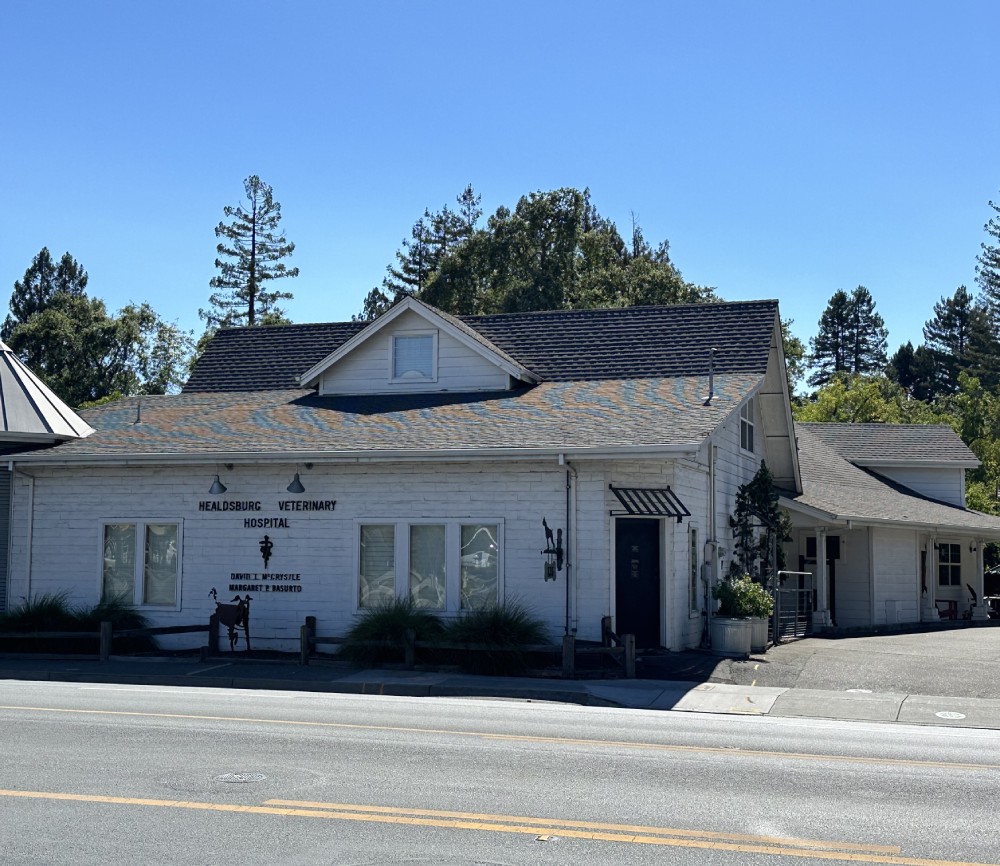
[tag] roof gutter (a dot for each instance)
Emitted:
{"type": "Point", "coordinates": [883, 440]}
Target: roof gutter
{"type": "Point", "coordinates": [47, 458]}
{"type": "Point", "coordinates": [853, 521]}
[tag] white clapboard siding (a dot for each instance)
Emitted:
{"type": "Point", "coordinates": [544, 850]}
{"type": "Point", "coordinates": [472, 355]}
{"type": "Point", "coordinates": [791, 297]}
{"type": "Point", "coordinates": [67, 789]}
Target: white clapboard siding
{"type": "Point", "coordinates": [896, 572]}
{"type": "Point", "coordinates": [945, 485]}
{"type": "Point", "coordinates": [367, 369]}
{"type": "Point", "coordinates": [853, 580]}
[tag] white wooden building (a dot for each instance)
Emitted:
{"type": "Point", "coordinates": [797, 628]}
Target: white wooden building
{"type": "Point", "coordinates": [323, 468]}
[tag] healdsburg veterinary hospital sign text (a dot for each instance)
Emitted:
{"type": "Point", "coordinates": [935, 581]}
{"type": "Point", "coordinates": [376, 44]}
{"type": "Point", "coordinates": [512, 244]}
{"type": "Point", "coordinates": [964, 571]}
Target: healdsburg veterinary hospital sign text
{"type": "Point", "coordinates": [269, 582]}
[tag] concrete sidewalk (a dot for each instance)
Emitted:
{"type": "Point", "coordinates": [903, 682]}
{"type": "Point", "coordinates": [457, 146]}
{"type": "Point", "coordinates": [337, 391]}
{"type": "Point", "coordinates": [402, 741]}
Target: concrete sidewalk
{"type": "Point", "coordinates": [686, 695]}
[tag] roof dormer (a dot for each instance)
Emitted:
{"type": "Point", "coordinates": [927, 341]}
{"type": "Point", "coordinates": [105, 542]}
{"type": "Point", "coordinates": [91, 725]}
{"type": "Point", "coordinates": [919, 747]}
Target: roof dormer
{"type": "Point", "coordinates": [415, 349]}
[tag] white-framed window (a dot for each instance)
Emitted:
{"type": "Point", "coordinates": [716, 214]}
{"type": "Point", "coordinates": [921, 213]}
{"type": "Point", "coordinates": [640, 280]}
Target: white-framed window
{"type": "Point", "coordinates": [693, 566]}
{"type": "Point", "coordinates": [949, 565]}
{"type": "Point", "coordinates": [443, 565]}
{"type": "Point", "coordinates": [747, 426]}
{"type": "Point", "coordinates": [414, 357]}
{"type": "Point", "coordinates": [140, 562]}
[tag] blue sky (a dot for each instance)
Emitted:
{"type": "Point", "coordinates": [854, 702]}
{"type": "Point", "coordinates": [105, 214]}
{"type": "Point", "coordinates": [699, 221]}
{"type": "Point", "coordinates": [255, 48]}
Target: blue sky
{"type": "Point", "coordinates": [785, 149]}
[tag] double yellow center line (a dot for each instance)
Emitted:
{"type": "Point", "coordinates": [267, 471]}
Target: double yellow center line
{"type": "Point", "coordinates": [812, 849]}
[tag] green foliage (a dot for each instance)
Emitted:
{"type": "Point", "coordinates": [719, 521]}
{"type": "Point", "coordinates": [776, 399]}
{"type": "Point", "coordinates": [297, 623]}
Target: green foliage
{"type": "Point", "coordinates": [852, 399]}
{"type": "Point", "coordinates": [795, 355]}
{"type": "Point", "coordinates": [552, 251]}
{"type": "Point", "coordinates": [387, 624]}
{"type": "Point", "coordinates": [83, 353]}
{"type": "Point", "coordinates": [52, 612]}
{"type": "Point", "coordinates": [250, 256]}
{"type": "Point", "coordinates": [739, 596]}
{"type": "Point", "coordinates": [988, 266]}
{"type": "Point", "coordinates": [959, 339]}
{"type": "Point", "coordinates": [915, 371]}
{"type": "Point", "coordinates": [34, 292]}
{"type": "Point", "coordinates": [45, 612]}
{"type": "Point", "coordinates": [852, 338]}
{"type": "Point", "coordinates": [118, 612]}
{"type": "Point", "coordinates": [758, 525]}
{"type": "Point", "coordinates": [503, 630]}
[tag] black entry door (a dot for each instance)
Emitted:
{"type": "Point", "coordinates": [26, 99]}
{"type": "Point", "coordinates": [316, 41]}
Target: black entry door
{"type": "Point", "coordinates": [637, 580]}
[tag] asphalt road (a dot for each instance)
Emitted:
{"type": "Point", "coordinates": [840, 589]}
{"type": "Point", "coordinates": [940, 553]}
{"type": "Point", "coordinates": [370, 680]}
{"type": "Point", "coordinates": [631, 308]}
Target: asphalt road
{"type": "Point", "coordinates": [125, 774]}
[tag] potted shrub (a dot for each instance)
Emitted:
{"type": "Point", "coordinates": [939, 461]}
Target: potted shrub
{"type": "Point", "coordinates": [741, 601]}
{"type": "Point", "coordinates": [759, 605]}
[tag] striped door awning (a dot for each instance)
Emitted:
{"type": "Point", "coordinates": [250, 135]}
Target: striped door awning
{"type": "Point", "coordinates": [649, 502]}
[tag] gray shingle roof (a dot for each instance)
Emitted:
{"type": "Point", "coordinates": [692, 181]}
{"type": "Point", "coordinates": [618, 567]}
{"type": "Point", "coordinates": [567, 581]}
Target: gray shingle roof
{"type": "Point", "coordinates": [553, 415]}
{"type": "Point", "coordinates": [871, 444]}
{"type": "Point", "coordinates": [832, 484]}
{"type": "Point", "coordinates": [565, 345]}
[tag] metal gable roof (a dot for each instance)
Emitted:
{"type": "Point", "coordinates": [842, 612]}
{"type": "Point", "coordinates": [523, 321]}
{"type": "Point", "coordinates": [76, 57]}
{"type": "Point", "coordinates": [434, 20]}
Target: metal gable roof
{"type": "Point", "coordinates": [29, 411]}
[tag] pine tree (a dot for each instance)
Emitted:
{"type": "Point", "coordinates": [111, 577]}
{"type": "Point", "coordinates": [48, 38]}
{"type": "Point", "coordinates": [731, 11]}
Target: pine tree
{"type": "Point", "coordinates": [433, 238]}
{"type": "Point", "coordinates": [959, 338]}
{"type": "Point", "coordinates": [869, 337]}
{"type": "Point", "coordinates": [413, 263]}
{"type": "Point", "coordinates": [829, 348]}
{"type": "Point", "coordinates": [34, 293]}
{"type": "Point", "coordinates": [252, 251]}
{"type": "Point", "coordinates": [988, 268]}
{"type": "Point", "coordinates": [852, 338]}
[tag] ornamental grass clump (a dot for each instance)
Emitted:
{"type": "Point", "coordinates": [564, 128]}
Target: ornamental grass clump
{"type": "Point", "coordinates": [499, 634]}
{"type": "Point", "coordinates": [45, 612]}
{"type": "Point", "coordinates": [379, 634]}
{"type": "Point", "coordinates": [52, 612]}
{"type": "Point", "coordinates": [739, 596]}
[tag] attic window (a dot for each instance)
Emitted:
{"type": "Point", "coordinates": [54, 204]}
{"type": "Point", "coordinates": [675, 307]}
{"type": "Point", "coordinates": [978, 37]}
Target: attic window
{"type": "Point", "coordinates": [747, 426]}
{"type": "Point", "coordinates": [413, 357]}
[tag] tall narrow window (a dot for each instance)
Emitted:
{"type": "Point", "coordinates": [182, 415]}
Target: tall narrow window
{"type": "Point", "coordinates": [747, 426]}
{"type": "Point", "coordinates": [377, 581]}
{"type": "Point", "coordinates": [159, 579]}
{"type": "Point", "coordinates": [427, 566]}
{"type": "Point", "coordinates": [119, 563]}
{"type": "Point", "coordinates": [480, 566]}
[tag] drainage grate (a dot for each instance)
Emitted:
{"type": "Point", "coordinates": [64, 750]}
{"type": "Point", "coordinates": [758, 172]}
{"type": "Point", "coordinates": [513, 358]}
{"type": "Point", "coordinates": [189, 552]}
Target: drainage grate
{"type": "Point", "coordinates": [241, 777]}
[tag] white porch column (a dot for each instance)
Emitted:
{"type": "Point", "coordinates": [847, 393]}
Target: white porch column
{"type": "Point", "coordinates": [928, 610]}
{"type": "Point", "coordinates": [981, 611]}
{"type": "Point", "coordinates": [822, 615]}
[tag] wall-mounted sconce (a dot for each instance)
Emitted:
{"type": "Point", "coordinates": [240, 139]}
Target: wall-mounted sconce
{"type": "Point", "coordinates": [553, 552]}
{"type": "Point", "coordinates": [973, 546]}
{"type": "Point", "coordinates": [296, 485]}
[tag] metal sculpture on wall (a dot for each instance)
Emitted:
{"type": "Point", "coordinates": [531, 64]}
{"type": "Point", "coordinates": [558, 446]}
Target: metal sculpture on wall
{"type": "Point", "coordinates": [553, 552]}
{"type": "Point", "coordinates": [266, 546]}
{"type": "Point", "coordinates": [233, 617]}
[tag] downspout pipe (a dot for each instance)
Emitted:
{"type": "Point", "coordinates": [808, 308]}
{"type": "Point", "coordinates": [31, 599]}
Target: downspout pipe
{"type": "Point", "coordinates": [571, 623]}
{"type": "Point", "coordinates": [14, 471]}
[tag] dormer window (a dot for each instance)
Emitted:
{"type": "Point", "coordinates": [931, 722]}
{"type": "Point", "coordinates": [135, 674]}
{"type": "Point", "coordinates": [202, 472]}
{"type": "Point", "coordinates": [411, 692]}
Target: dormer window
{"type": "Point", "coordinates": [414, 357]}
{"type": "Point", "coordinates": [747, 426]}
